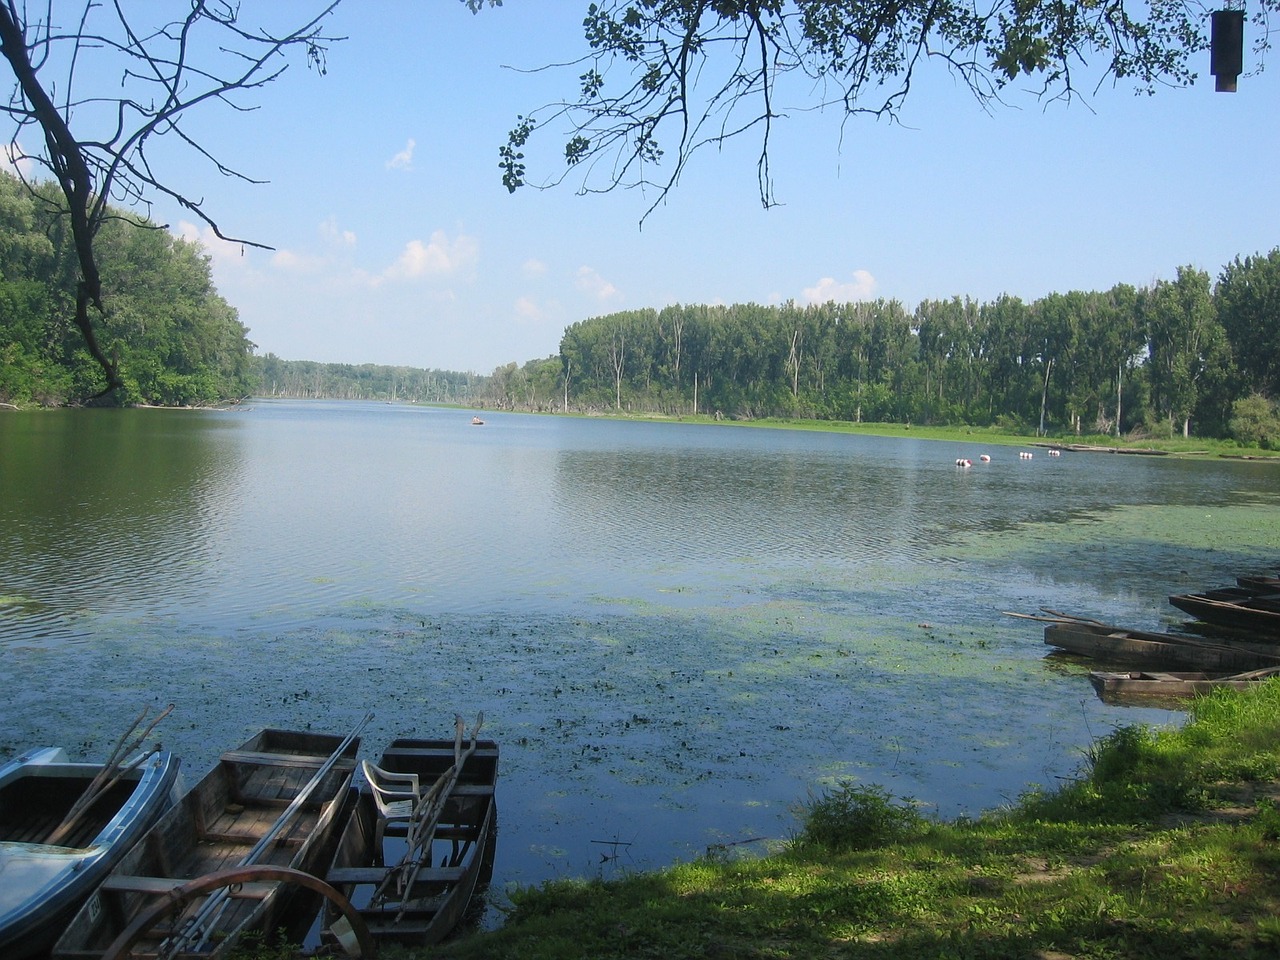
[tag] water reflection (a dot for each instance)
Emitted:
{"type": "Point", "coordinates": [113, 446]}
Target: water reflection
{"type": "Point", "coordinates": [104, 511]}
{"type": "Point", "coordinates": [675, 630]}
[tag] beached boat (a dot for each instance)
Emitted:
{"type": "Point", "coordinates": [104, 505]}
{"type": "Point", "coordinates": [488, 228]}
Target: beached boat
{"type": "Point", "coordinates": [419, 841]}
{"type": "Point", "coordinates": [272, 803]}
{"type": "Point", "coordinates": [1155, 650]}
{"type": "Point", "coordinates": [1258, 583]}
{"type": "Point", "coordinates": [54, 850]}
{"type": "Point", "coordinates": [1143, 684]}
{"type": "Point", "coordinates": [1237, 608]}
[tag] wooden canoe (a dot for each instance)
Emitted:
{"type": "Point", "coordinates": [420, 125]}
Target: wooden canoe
{"type": "Point", "coordinates": [454, 862]}
{"type": "Point", "coordinates": [1256, 614]}
{"type": "Point", "coordinates": [1154, 650]}
{"type": "Point", "coordinates": [42, 885]}
{"type": "Point", "coordinates": [274, 801]}
{"type": "Point", "coordinates": [1258, 583]}
{"type": "Point", "coordinates": [1165, 685]}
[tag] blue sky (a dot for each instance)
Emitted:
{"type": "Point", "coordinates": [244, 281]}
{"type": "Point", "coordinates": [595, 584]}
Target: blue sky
{"type": "Point", "coordinates": [396, 242]}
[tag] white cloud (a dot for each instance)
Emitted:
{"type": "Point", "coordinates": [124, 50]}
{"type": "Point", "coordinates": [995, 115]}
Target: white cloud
{"type": "Point", "coordinates": [862, 287]}
{"type": "Point", "coordinates": [528, 311]}
{"type": "Point", "coordinates": [591, 283]}
{"type": "Point", "coordinates": [223, 252]}
{"type": "Point", "coordinates": [533, 268]}
{"type": "Point", "coordinates": [296, 262]}
{"type": "Point", "coordinates": [404, 159]}
{"type": "Point", "coordinates": [16, 161]}
{"type": "Point", "coordinates": [438, 257]}
{"type": "Point", "coordinates": [330, 232]}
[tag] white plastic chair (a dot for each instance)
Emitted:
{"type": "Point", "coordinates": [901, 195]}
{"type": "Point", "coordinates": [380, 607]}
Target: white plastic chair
{"type": "Point", "coordinates": [397, 797]}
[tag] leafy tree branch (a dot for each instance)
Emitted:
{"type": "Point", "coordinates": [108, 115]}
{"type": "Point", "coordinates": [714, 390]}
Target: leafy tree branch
{"type": "Point", "coordinates": [666, 79]}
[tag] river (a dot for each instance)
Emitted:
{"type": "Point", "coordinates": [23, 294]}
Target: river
{"type": "Point", "coordinates": [676, 631]}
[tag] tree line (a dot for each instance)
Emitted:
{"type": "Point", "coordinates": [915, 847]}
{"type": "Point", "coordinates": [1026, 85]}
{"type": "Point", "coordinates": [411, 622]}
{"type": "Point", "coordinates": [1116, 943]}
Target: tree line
{"type": "Point", "coordinates": [172, 337]}
{"type": "Point", "coordinates": [307, 379]}
{"type": "Point", "coordinates": [1181, 356]}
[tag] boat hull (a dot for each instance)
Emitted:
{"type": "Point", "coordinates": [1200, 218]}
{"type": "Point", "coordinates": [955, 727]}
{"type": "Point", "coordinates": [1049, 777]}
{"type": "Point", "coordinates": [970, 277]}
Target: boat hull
{"type": "Point", "coordinates": [1142, 648]}
{"type": "Point", "coordinates": [461, 848]}
{"type": "Point", "coordinates": [1139, 684]}
{"type": "Point", "coordinates": [222, 823]}
{"type": "Point", "coordinates": [1238, 609]}
{"type": "Point", "coordinates": [42, 886]}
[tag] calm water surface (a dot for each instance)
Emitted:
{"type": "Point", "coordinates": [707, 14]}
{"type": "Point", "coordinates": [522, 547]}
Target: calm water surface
{"type": "Point", "coordinates": [676, 631]}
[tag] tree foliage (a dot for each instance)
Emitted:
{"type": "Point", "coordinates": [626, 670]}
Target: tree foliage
{"type": "Point", "coordinates": [666, 79]}
{"type": "Point", "coordinates": [1156, 361]}
{"type": "Point", "coordinates": [174, 339]}
{"type": "Point", "coordinates": [102, 144]}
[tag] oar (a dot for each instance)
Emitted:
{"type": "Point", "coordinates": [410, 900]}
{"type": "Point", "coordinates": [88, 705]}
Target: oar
{"type": "Point", "coordinates": [432, 812]}
{"type": "Point", "coordinates": [211, 910]}
{"type": "Point", "coordinates": [110, 773]}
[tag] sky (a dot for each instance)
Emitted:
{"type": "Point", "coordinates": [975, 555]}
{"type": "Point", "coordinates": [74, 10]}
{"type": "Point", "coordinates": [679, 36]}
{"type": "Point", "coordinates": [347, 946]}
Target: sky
{"type": "Point", "coordinates": [396, 243]}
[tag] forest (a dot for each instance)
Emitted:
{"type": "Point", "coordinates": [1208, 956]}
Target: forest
{"type": "Point", "coordinates": [1188, 356]}
{"type": "Point", "coordinates": [175, 340]}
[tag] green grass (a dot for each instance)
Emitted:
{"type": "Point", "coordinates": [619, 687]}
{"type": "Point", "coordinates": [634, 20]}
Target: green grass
{"type": "Point", "coordinates": [1144, 855]}
{"type": "Point", "coordinates": [1165, 847]}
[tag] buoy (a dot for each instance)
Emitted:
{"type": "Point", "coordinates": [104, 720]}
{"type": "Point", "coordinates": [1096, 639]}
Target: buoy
{"type": "Point", "coordinates": [985, 458]}
{"type": "Point", "coordinates": [1055, 453]}
{"type": "Point", "coordinates": [962, 462]}
{"type": "Point", "coordinates": [1023, 455]}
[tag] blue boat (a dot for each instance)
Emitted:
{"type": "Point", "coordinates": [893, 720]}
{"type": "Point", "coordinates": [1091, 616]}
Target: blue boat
{"type": "Point", "coordinates": [43, 883]}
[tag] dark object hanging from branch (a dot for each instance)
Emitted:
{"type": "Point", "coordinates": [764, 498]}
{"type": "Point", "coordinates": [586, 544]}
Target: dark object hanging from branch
{"type": "Point", "coordinates": [1226, 49]}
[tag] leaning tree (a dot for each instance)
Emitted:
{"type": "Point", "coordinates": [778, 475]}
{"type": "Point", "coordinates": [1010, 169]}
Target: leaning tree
{"type": "Point", "coordinates": [102, 89]}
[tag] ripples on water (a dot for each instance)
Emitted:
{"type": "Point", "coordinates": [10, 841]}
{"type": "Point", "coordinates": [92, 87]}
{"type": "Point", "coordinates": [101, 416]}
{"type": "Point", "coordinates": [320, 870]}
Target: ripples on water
{"type": "Point", "coordinates": [674, 629]}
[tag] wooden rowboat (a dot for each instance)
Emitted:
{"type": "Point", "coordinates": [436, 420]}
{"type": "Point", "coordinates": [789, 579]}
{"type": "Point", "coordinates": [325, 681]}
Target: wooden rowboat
{"type": "Point", "coordinates": [273, 802]}
{"type": "Point", "coordinates": [419, 896]}
{"type": "Point", "coordinates": [1237, 608]}
{"type": "Point", "coordinates": [1154, 650]}
{"type": "Point", "coordinates": [1144, 684]}
{"type": "Point", "coordinates": [43, 883]}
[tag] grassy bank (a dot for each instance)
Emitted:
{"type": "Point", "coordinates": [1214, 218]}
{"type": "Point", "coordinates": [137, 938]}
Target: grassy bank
{"type": "Point", "coordinates": [1188, 446]}
{"type": "Point", "coordinates": [1168, 845]}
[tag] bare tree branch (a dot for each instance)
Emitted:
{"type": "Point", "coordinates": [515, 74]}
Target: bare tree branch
{"type": "Point", "coordinates": [167, 69]}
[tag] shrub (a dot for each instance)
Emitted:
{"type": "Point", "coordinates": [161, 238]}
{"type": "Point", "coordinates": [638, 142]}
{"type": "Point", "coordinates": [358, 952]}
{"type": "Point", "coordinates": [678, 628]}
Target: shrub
{"type": "Point", "coordinates": [850, 817]}
{"type": "Point", "coordinates": [1255, 422]}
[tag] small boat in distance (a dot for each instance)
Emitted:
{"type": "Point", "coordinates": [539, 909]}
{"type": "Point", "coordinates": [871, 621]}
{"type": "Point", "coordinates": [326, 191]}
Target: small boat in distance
{"type": "Point", "coordinates": [477, 422]}
{"type": "Point", "coordinates": [52, 856]}
{"type": "Point", "coordinates": [271, 803]}
{"type": "Point", "coordinates": [419, 841]}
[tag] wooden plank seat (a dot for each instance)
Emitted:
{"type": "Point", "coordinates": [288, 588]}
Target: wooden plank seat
{"type": "Point", "coordinates": [472, 790]}
{"type": "Point", "coordinates": [249, 839]}
{"type": "Point", "coordinates": [160, 886]}
{"type": "Point", "coordinates": [481, 753]}
{"type": "Point", "coordinates": [307, 761]}
{"type": "Point", "coordinates": [376, 875]}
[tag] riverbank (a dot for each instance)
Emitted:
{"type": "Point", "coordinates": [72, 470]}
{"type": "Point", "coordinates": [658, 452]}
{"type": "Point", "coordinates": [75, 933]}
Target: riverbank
{"type": "Point", "coordinates": [994, 436]}
{"type": "Point", "coordinates": [1166, 846]}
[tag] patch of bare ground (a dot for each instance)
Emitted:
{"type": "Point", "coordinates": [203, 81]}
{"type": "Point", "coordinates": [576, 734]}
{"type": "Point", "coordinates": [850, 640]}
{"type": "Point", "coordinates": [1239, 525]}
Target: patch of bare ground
{"type": "Point", "coordinates": [1039, 870]}
{"type": "Point", "coordinates": [1239, 804]}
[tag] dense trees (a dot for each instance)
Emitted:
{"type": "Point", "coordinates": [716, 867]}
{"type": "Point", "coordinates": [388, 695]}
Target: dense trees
{"type": "Point", "coordinates": [306, 379]}
{"type": "Point", "coordinates": [1160, 360]}
{"type": "Point", "coordinates": [94, 139]}
{"type": "Point", "coordinates": [173, 339]}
